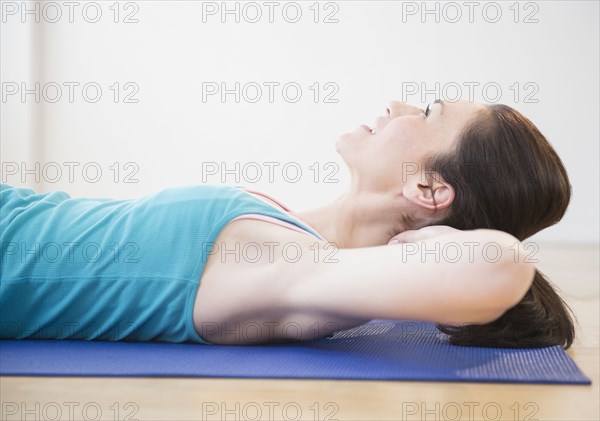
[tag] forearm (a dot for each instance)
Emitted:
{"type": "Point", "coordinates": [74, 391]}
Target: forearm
{"type": "Point", "coordinates": [463, 277]}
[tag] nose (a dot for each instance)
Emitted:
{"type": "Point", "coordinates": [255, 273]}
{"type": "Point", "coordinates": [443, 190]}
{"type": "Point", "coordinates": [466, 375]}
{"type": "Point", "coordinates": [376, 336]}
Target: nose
{"type": "Point", "coordinates": [397, 109]}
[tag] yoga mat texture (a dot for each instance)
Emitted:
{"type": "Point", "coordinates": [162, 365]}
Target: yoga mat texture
{"type": "Point", "coordinates": [377, 350]}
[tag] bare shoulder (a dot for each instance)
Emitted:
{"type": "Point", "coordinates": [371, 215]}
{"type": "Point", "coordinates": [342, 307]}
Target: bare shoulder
{"type": "Point", "coordinates": [246, 278]}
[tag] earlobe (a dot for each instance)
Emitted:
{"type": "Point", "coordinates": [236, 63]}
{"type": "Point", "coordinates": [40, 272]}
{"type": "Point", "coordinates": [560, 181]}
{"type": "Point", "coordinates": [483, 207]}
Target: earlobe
{"type": "Point", "coordinates": [444, 196]}
{"type": "Point", "coordinates": [419, 194]}
{"type": "Point", "coordinates": [423, 195]}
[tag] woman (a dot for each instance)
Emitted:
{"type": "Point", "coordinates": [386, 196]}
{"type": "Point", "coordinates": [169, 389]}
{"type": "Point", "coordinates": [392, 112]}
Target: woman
{"type": "Point", "coordinates": [457, 185]}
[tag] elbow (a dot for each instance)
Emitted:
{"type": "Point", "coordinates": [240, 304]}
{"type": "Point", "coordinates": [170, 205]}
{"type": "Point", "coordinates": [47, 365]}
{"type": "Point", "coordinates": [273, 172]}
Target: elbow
{"type": "Point", "coordinates": [515, 281]}
{"type": "Point", "coordinates": [509, 288]}
{"type": "Point", "coordinates": [518, 271]}
{"type": "Point", "coordinates": [519, 276]}
{"type": "Point", "coordinates": [510, 278]}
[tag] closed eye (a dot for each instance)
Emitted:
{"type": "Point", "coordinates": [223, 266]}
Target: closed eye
{"type": "Point", "coordinates": [426, 112]}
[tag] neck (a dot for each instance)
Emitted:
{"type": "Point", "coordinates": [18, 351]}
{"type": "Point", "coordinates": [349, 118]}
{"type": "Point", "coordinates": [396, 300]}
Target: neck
{"type": "Point", "coordinates": [356, 220]}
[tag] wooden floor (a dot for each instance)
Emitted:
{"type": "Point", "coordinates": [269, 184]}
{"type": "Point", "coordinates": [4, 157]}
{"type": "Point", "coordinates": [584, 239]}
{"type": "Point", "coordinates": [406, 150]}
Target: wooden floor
{"type": "Point", "coordinates": [575, 270]}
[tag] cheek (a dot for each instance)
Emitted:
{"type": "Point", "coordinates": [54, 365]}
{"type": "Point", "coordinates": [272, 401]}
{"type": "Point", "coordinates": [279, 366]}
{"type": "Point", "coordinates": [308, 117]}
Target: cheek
{"type": "Point", "coordinates": [403, 138]}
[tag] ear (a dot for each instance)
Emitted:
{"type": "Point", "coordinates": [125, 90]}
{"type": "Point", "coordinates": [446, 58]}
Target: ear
{"type": "Point", "coordinates": [422, 193]}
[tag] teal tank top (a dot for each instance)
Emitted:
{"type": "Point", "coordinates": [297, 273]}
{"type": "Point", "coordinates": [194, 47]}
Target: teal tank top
{"type": "Point", "coordinates": [106, 269]}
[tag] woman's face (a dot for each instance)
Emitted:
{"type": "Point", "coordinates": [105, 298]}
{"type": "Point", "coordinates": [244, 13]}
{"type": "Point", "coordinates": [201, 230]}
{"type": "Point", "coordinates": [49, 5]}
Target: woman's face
{"type": "Point", "coordinates": [402, 139]}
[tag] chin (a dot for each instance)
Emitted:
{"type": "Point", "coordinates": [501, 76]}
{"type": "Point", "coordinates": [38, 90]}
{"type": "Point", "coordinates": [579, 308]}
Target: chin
{"type": "Point", "coordinates": [349, 146]}
{"type": "Point", "coordinates": [352, 139]}
{"type": "Point", "coordinates": [344, 143]}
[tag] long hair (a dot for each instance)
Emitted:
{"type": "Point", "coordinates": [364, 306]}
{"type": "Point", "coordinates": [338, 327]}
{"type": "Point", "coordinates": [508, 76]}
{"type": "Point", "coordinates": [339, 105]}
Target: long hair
{"type": "Point", "coordinates": [507, 177]}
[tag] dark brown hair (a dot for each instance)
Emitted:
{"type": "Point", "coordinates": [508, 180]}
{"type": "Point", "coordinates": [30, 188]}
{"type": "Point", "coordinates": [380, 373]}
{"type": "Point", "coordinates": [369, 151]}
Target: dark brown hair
{"type": "Point", "coordinates": [507, 177]}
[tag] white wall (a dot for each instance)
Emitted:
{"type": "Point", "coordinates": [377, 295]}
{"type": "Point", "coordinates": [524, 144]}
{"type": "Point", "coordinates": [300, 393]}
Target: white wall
{"type": "Point", "coordinates": [370, 54]}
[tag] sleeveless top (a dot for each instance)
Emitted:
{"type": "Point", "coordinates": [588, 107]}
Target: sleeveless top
{"type": "Point", "coordinates": [107, 269]}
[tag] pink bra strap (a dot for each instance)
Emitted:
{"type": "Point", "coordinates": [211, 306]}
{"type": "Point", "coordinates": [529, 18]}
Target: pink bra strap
{"type": "Point", "coordinates": [276, 203]}
{"type": "Point", "coordinates": [272, 220]}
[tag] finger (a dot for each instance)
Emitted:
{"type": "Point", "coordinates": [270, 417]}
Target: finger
{"type": "Point", "coordinates": [408, 236]}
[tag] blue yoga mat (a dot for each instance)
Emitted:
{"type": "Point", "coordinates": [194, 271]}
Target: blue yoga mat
{"type": "Point", "coordinates": [377, 350]}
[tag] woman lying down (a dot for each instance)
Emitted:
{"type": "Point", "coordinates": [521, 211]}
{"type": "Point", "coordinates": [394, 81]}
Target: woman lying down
{"type": "Point", "coordinates": [429, 229]}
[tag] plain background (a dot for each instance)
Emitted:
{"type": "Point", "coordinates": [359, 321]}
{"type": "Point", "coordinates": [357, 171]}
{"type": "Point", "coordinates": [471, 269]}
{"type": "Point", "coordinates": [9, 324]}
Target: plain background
{"type": "Point", "coordinates": [171, 136]}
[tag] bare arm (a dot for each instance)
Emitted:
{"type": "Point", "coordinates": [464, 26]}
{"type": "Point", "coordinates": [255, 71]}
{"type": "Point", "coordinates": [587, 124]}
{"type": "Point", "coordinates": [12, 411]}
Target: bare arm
{"type": "Point", "coordinates": [465, 285]}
